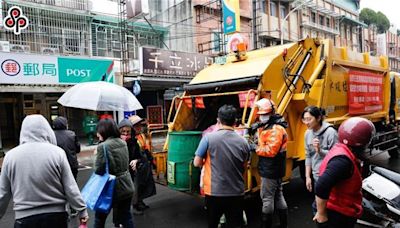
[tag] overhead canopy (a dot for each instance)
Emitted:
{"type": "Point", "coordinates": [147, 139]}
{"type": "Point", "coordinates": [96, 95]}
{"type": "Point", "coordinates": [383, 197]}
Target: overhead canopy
{"type": "Point", "coordinates": [252, 68]}
{"type": "Point", "coordinates": [352, 21]}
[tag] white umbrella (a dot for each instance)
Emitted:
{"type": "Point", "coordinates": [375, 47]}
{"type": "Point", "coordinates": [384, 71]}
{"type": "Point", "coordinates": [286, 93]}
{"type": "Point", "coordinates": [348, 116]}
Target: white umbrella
{"type": "Point", "coordinates": [100, 96]}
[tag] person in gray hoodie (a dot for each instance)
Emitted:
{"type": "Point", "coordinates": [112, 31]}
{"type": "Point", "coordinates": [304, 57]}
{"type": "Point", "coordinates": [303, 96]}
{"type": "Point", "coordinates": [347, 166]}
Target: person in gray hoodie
{"type": "Point", "coordinates": [36, 174]}
{"type": "Point", "coordinates": [319, 139]}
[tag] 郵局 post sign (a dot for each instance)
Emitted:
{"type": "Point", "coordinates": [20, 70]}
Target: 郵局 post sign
{"type": "Point", "coordinates": [365, 93]}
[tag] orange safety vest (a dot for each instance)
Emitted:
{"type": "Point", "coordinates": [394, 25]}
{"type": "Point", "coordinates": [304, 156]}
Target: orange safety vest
{"type": "Point", "coordinates": [271, 141]}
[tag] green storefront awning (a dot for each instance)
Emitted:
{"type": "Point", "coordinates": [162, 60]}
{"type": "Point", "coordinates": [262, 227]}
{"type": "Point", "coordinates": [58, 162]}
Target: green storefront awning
{"type": "Point", "coordinates": [352, 21]}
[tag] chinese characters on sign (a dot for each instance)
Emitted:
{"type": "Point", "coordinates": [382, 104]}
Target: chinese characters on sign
{"type": "Point", "coordinates": [28, 69]}
{"type": "Point", "coordinates": [365, 92]}
{"type": "Point", "coordinates": [38, 69]}
{"type": "Point", "coordinates": [154, 61]}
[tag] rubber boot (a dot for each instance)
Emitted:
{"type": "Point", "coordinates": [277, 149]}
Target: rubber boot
{"type": "Point", "coordinates": [266, 220]}
{"type": "Point", "coordinates": [283, 214]}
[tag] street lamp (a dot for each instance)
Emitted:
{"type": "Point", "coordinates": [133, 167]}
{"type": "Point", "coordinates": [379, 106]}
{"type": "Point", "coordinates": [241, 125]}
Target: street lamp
{"type": "Point", "coordinates": [287, 16]}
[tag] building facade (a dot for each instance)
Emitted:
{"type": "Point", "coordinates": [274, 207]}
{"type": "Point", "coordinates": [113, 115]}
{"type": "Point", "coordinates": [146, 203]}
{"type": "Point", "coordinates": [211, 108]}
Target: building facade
{"type": "Point", "coordinates": [387, 44]}
{"type": "Point", "coordinates": [278, 20]}
{"type": "Point", "coordinates": [64, 44]}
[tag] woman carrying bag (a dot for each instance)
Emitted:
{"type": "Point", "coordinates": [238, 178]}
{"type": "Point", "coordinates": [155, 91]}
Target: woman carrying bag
{"type": "Point", "coordinates": [118, 160]}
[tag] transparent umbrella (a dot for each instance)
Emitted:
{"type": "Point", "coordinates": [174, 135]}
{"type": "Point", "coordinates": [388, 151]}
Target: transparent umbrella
{"type": "Point", "coordinates": [100, 96]}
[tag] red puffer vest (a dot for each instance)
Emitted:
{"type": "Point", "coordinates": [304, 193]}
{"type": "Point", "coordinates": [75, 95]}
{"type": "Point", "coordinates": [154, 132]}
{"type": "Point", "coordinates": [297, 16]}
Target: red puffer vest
{"type": "Point", "coordinates": [345, 197]}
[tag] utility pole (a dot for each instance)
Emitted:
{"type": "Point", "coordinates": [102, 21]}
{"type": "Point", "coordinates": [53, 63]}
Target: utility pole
{"type": "Point", "coordinates": [255, 33]}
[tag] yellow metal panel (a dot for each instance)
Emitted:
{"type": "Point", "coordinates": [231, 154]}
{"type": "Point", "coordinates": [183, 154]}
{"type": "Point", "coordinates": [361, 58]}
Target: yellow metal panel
{"type": "Point", "coordinates": [255, 65]}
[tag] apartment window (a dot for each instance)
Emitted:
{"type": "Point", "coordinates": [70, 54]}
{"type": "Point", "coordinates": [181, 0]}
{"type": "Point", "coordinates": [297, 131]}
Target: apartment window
{"type": "Point", "coordinates": [328, 22]}
{"type": "Point", "coordinates": [216, 39]}
{"type": "Point", "coordinates": [348, 32]}
{"type": "Point", "coordinates": [321, 20]}
{"type": "Point", "coordinates": [101, 41]}
{"type": "Point", "coordinates": [283, 11]}
{"type": "Point", "coordinates": [132, 47]}
{"type": "Point", "coordinates": [71, 39]}
{"type": "Point", "coordinates": [115, 43]}
{"type": "Point", "coordinates": [273, 9]}
{"type": "Point", "coordinates": [264, 6]}
{"type": "Point", "coordinates": [313, 17]}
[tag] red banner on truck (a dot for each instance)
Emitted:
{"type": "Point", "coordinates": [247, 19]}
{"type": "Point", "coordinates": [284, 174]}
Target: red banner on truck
{"type": "Point", "coordinates": [365, 93]}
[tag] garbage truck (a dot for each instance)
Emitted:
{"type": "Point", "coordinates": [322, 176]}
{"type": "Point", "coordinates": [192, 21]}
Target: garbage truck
{"type": "Point", "coordinates": [295, 75]}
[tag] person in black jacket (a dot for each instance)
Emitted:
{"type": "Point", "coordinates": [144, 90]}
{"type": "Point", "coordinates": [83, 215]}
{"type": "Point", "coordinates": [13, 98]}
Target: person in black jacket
{"type": "Point", "coordinates": [68, 141]}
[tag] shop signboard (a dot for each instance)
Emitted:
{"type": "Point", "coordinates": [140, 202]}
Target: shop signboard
{"type": "Point", "coordinates": [231, 16]}
{"type": "Point", "coordinates": [41, 69]}
{"type": "Point", "coordinates": [365, 92]}
{"type": "Point", "coordinates": [84, 70]}
{"type": "Point", "coordinates": [157, 62]}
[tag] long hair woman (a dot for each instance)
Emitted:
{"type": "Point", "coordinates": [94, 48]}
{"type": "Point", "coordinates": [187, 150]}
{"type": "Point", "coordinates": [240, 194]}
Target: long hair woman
{"type": "Point", "coordinates": [118, 159]}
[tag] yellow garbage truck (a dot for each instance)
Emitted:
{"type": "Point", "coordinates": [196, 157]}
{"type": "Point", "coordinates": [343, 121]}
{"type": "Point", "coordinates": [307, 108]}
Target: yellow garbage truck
{"type": "Point", "coordinates": [308, 72]}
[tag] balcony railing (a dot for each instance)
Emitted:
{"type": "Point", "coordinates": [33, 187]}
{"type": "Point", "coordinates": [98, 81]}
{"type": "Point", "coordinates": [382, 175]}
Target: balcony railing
{"type": "Point", "coordinates": [71, 4]}
{"type": "Point", "coordinates": [320, 27]}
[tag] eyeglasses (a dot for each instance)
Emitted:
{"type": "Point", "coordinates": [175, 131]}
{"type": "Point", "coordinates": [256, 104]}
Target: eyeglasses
{"type": "Point", "coordinates": [306, 120]}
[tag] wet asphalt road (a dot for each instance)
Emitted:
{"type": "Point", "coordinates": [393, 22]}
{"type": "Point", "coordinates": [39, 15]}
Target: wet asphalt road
{"type": "Point", "coordinates": [170, 208]}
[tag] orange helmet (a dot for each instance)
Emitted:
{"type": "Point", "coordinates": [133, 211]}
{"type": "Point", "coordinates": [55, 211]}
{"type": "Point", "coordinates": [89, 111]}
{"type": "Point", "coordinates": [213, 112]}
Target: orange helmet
{"type": "Point", "coordinates": [265, 106]}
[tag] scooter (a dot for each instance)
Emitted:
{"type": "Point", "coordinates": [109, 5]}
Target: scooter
{"type": "Point", "coordinates": [381, 199]}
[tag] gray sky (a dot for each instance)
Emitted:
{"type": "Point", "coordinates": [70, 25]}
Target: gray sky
{"type": "Point", "coordinates": [389, 7]}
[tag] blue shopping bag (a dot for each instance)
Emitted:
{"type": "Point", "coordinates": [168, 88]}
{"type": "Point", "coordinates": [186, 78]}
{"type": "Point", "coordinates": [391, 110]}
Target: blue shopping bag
{"type": "Point", "coordinates": [98, 191]}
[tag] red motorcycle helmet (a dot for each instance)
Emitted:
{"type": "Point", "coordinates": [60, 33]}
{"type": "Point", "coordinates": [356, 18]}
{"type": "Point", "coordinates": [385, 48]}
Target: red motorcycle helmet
{"type": "Point", "coordinates": [356, 132]}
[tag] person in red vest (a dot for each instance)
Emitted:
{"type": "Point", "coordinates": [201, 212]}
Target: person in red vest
{"type": "Point", "coordinates": [338, 189]}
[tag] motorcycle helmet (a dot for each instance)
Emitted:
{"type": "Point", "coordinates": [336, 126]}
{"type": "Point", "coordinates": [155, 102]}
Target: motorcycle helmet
{"type": "Point", "coordinates": [356, 132]}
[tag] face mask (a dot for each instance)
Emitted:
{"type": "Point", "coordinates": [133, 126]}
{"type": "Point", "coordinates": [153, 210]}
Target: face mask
{"type": "Point", "coordinates": [125, 137]}
{"type": "Point", "coordinates": [264, 118]}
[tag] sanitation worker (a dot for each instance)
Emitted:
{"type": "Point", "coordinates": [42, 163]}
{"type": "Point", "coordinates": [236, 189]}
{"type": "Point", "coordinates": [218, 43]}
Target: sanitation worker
{"type": "Point", "coordinates": [271, 149]}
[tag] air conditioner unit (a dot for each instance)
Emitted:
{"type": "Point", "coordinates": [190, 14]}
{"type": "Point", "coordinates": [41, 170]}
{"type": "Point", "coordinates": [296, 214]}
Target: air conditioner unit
{"type": "Point", "coordinates": [4, 46]}
{"type": "Point", "coordinates": [20, 48]}
{"type": "Point", "coordinates": [50, 51]}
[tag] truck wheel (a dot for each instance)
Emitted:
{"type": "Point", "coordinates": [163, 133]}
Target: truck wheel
{"type": "Point", "coordinates": [394, 153]}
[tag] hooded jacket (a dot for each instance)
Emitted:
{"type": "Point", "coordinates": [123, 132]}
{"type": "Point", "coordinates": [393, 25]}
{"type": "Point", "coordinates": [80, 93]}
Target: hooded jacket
{"type": "Point", "coordinates": [36, 174]}
{"type": "Point", "coordinates": [118, 157]}
{"type": "Point", "coordinates": [67, 140]}
{"type": "Point", "coordinates": [328, 137]}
